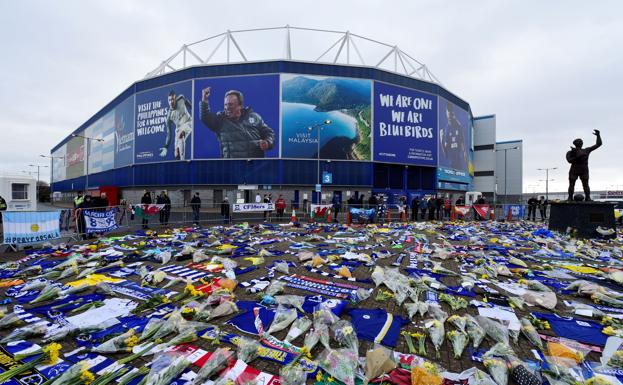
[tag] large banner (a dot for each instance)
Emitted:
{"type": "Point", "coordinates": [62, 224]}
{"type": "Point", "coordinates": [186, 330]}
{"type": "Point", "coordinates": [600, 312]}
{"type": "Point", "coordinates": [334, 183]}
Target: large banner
{"type": "Point", "coordinates": [58, 163]}
{"type": "Point", "coordinates": [124, 132]}
{"type": "Point", "coordinates": [74, 160]}
{"type": "Point", "coordinates": [454, 143]}
{"type": "Point", "coordinates": [101, 154]}
{"type": "Point", "coordinates": [339, 107]}
{"type": "Point", "coordinates": [237, 117]}
{"type": "Point", "coordinates": [23, 228]}
{"type": "Point", "coordinates": [405, 125]}
{"type": "Point", "coordinates": [100, 221]}
{"type": "Point", "coordinates": [252, 207]}
{"type": "Point", "coordinates": [164, 123]}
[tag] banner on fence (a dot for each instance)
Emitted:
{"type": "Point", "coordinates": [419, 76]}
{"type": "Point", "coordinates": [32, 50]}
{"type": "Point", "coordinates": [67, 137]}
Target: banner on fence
{"type": "Point", "coordinates": [482, 210]}
{"type": "Point", "coordinates": [100, 221]}
{"type": "Point", "coordinates": [252, 207]}
{"type": "Point", "coordinates": [27, 227]}
{"type": "Point", "coordinates": [146, 210]}
{"type": "Point", "coordinates": [517, 211]}
{"type": "Point", "coordinates": [319, 212]}
{"type": "Point", "coordinates": [462, 210]}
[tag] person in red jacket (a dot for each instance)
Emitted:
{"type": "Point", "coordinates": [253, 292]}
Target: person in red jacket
{"type": "Point", "coordinates": [280, 206]}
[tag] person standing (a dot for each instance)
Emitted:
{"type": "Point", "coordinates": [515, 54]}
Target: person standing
{"type": "Point", "coordinates": [266, 212]}
{"type": "Point", "coordinates": [165, 213]}
{"type": "Point", "coordinates": [372, 201]}
{"type": "Point", "coordinates": [439, 207]}
{"type": "Point", "coordinates": [336, 205]}
{"type": "Point", "coordinates": [3, 207]}
{"type": "Point", "coordinates": [431, 208]}
{"type": "Point", "coordinates": [86, 203]}
{"type": "Point", "coordinates": [195, 205]}
{"type": "Point", "coordinates": [78, 199]}
{"type": "Point", "coordinates": [532, 204]}
{"type": "Point", "coordinates": [423, 207]}
{"type": "Point", "coordinates": [225, 210]}
{"type": "Point", "coordinates": [543, 208]}
{"type": "Point", "coordinates": [280, 206]}
{"type": "Point", "coordinates": [460, 202]}
{"type": "Point", "coordinates": [361, 201]}
{"type": "Point", "coordinates": [415, 203]}
{"type": "Point", "coordinates": [446, 207]}
{"type": "Point", "coordinates": [145, 200]}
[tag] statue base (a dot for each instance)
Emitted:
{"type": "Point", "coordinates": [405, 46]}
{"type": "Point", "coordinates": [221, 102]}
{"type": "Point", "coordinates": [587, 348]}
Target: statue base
{"type": "Point", "coordinates": [585, 217]}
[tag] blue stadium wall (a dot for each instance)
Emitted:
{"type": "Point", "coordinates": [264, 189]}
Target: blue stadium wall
{"type": "Point", "coordinates": [372, 175]}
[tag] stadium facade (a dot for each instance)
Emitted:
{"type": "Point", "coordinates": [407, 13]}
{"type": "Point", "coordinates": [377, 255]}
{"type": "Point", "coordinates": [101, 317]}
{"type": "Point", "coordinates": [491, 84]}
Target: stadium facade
{"type": "Point", "coordinates": [353, 129]}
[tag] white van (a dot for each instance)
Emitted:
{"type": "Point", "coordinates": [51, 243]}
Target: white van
{"type": "Point", "coordinates": [19, 192]}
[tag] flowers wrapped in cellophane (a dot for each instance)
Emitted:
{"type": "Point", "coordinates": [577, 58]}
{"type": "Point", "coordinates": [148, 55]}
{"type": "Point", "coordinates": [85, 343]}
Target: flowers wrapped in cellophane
{"type": "Point", "coordinates": [248, 349]}
{"type": "Point", "coordinates": [217, 361]}
{"type": "Point", "coordinates": [165, 368]}
{"type": "Point", "coordinates": [25, 332]}
{"type": "Point", "coordinates": [498, 370]}
{"type": "Point", "coordinates": [459, 340]}
{"type": "Point", "coordinates": [283, 318]}
{"type": "Point", "coordinates": [339, 363]}
{"type": "Point", "coordinates": [458, 322]}
{"type": "Point", "coordinates": [495, 330]}
{"type": "Point", "coordinates": [530, 333]}
{"type": "Point", "coordinates": [122, 342]}
{"type": "Point", "coordinates": [436, 333]}
{"type": "Point", "coordinates": [298, 328]}
{"type": "Point", "coordinates": [345, 335]}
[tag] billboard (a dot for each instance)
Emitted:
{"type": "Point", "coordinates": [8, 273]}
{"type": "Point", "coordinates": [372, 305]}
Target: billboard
{"type": "Point", "coordinates": [405, 125]}
{"type": "Point", "coordinates": [124, 132]}
{"type": "Point", "coordinates": [237, 117]}
{"type": "Point", "coordinates": [164, 123]}
{"type": "Point", "coordinates": [58, 164]}
{"type": "Point", "coordinates": [100, 151]}
{"type": "Point", "coordinates": [454, 143]}
{"type": "Point", "coordinates": [74, 161]}
{"type": "Point", "coordinates": [309, 102]}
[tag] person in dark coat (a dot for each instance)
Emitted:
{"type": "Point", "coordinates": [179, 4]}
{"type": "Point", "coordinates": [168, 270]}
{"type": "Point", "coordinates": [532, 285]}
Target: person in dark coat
{"type": "Point", "coordinates": [195, 205]}
{"type": "Point", "coordinates": [225, 210]}
{"type": "Point", "coordinates": [415, 204]}
{"type": "Point", "coordinates": [336, 205]}
{"type": "Point", "coordinates": [439, 207]}
{"type": "Point", "coordinates": [163, 199]}
{"type": "Point", "coordinates": [145, 200]}
{"type": "Point", "coordinates": [423, 206]}
{"type": "Point", "coordinates": [431, 208]}
{"type": "Point", "coordinates": [86, 203]}
{"type": "Point", "coordinates": [532, 205]}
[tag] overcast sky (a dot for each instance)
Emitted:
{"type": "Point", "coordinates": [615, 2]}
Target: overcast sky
{"type": "Point", "coordinates": [550, 71]}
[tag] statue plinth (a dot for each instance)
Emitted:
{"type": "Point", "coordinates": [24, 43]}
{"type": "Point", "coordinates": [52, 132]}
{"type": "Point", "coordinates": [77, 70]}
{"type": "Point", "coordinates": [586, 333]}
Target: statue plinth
{"type": "Point", "coordinates": [584, 217]}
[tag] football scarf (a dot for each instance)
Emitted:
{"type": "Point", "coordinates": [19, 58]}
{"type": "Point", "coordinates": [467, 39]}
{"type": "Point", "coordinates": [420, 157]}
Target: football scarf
{"type": "Point", "coordinates": [332, 275]}
{"type": "Point", "coordinates": [185, 272]}
{"type": "Point", "coordinates": [38, 375]}
{"type": "Point", "coordinates": [377, 325]}
{"type": "Point", "coordinates": [319, 286]}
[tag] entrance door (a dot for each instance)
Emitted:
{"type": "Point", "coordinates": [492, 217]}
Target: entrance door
{"type": "Point", "coordinates": [218, 196]}
{"type": "Point", "coordinates": [247, 196]}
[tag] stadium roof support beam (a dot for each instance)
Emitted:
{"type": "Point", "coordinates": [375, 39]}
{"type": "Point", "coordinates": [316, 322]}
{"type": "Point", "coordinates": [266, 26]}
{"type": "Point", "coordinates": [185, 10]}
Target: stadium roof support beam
{"type": "Point", "coordinates": [403, 63]}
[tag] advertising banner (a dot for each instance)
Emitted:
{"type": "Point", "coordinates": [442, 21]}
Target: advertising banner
{"type": "Point", "coordinates": [58, 163]}
{"type": "Point", "coordinates": [74, 161]}
{"type": "Point", "coordinates": [252, 207]}
{"type": "Point", "coordinates": [100, 221]}
{"type": "Point", "coordinates": [516, 211]}
{"type": "Point", "coordinates": [101, 155]}
{"type": "Point", "coordinates": [164, 123]}
{"type": "Point", "coordinates": [405, 125]}
{"type": "Point", "coordinates": [454, 143]}
{"type": "Point", "coordinates": [237, 117]}
{"type": "Point", "coordinates": [27, 227]}
{"type": "Point", "coordinates": [340, 108]}
{"type": "Point", "coordinates": [124, 133]}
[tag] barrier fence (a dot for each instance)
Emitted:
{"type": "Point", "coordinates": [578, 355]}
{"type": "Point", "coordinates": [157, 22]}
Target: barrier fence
{"type": "Point", "coordinates": [136, 216]}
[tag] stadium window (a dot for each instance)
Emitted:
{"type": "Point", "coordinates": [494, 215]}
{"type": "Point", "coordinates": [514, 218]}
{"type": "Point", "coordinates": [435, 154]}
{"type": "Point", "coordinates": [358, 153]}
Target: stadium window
{"type": "Point", "coordinates": [19, 190]}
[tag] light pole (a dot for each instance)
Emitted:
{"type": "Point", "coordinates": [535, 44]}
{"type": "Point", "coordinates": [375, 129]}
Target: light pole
{"type": "Point", "coordinates": [52, 160]}
{"type": "Point", "coordinates": [547, 179]}
{"type": "Point", "coordinates": [89, 139]}
{"type": "Point", "coordinates": [505, 169]}
{"type": "Point", "coordinates": [38, 173]}
{"type": "Point", "coordinates": [318, 126]}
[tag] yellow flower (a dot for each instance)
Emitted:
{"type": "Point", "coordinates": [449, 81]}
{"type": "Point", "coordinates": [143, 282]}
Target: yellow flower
{"type": "Point", "coordinates": [330, 379]}
{"type": "Point", "coordinates": [522, 281]}
{"type": "Point", "coordinates": [319, 376]}
{"type": "Point", "coordinates": [85, 375]}
{"type": "Point", "coordinates": [484, 276]}
{"type": "Point", "coordinates": [432, 369]}
{"type": "Point", "coordinates": [305, 351]}
{"type": "Point", "coordinates": [609, 330]}
{"type": "Point", "coordinates": [417, 335]}
{"type": "Point", "coordinates": [52, 351]}
{"type": "Point", "coordinates": [131, 341]}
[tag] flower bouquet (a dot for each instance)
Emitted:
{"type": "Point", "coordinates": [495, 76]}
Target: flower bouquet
{"type": "Point", "coordinates": [339, 363]}
{"type": "Point", "coordinates": [495, 330]}
{"type": "Point", "coordinates": [458, 322]}
{"type": "Point", "coordinates": [498, 370]}
{"type": "Point", "coordinates": [436, 334]}
{"type": "Point", "coordinates": [530, 333]}
{"type": "Point", "coordinates": [26, 332]}
{"type": "Point", "coordinates": [165, 368]}
{"type": "Point", "coordinates": [459, 340]}
{"type": "Point", "coordinates": [48, 293]}
{"type": "Point", "coordinates": [247, 349]}
{"type": "Point", "coordinates": [217, 361]}
{"type": "Point", "coordinates": [151, 328]}
{"type": "Point", "coordinates": [122, 342]}
{"type": "Point", "coordinates": [48, 355]}
{"type": "Point", "coordinates": [283, 318]}
{"type": "Point", "coordinates": [455, 303]}
{"type": "Point", "coordinates": [299, 327]}
{"type": "Point", "coordinates": [345, 335]}
{"type": "Point", "coordinates": [295, 301]}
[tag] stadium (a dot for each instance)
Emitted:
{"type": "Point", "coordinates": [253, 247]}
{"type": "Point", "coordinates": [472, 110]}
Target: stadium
{"type": "Point", "coordinates": [224, 124]}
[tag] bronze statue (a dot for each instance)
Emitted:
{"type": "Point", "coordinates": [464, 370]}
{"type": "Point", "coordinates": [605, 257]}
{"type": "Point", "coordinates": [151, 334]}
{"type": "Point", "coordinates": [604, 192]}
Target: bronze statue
{"type": "Point", "coordinates": [578, 157]}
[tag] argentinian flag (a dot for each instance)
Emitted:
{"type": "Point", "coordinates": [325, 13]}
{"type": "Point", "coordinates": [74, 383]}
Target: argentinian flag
{"type": "Point", "coordinates": [24, 227]}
